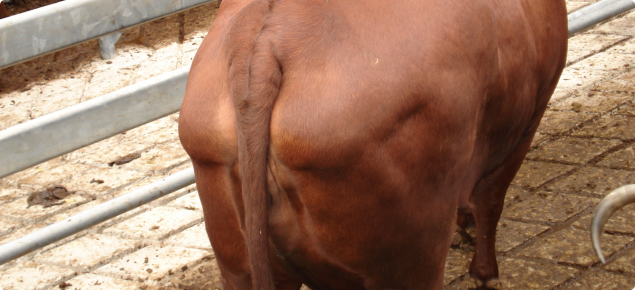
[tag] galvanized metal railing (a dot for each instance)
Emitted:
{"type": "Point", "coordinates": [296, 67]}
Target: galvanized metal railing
{"type": "Point", "coordinates": [596, 13]}
{"type": "Point", "coordinates": [88, 122]}
{"type": "Point", "coordinates": [53, 27]}
{"type": "Point", "coordinates": [95, 215]}
{"type": "Point", "coordinates": [143, 93]}
{"type": "Point", "coordinates": [47, 29]}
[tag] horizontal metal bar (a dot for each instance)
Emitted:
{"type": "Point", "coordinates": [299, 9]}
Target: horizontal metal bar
{"type": "Point", "coordinates": [596, 13]}
{"type": "Point", "coordinates": [95, 215]}
{"type": "Point", "coordinates": [22, 146]}
{"type": "Point", "coordinates": [66, 23]}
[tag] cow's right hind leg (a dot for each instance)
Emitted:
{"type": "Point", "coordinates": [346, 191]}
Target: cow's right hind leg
{"type": "Point", "coordinates": [488, 198]}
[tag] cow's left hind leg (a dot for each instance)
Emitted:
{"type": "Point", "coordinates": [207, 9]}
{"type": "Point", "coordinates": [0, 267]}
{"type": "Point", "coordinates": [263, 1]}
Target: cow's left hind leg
{"type": "Point", "coordinates": [487, 200]}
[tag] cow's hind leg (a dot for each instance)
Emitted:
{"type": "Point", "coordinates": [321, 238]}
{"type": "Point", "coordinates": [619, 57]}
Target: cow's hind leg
{"type": "Point", "coordinates": [488, 199]}
{"type": "Point", "coordinates": [215, 186]}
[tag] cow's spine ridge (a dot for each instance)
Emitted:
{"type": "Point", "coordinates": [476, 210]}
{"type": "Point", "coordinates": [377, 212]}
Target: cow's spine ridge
{"type": "Point", "coordinates": [255, 81]}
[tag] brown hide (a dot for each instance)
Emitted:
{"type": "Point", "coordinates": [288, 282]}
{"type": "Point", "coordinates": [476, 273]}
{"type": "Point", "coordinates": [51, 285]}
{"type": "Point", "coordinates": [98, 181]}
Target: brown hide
{"type": "Point", "coordinates": [335, 141]}
{"type": "Point", "coordinates": [3, 11]}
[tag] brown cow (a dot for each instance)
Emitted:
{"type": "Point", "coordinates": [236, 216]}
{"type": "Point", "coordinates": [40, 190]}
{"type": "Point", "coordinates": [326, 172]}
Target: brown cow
{"type": "Point", "coordinates": [334, 141]}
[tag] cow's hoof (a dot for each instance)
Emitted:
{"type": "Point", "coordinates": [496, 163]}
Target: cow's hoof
{"type": "Point", "coordinates": [493, 284]}
{"type": "Point", "coordinates": [474, 283]}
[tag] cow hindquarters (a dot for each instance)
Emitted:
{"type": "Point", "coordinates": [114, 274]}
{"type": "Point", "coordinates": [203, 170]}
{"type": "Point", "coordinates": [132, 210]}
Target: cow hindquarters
{"type": "Point", "coordinates": [217, 187]}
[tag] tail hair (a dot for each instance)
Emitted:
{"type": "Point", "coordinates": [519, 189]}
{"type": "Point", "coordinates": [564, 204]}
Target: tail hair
{"type": "Point", "coordinates": [255, 81]}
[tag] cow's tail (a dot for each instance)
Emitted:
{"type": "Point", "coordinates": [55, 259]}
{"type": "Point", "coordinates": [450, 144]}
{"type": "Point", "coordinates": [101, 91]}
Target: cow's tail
{"type": "Point", "coordinates": [255, 81]}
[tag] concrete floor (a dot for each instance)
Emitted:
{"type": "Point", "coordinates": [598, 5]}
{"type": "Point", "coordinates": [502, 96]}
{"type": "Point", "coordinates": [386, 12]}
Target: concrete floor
{"type": "Point", "coordinates": [585, 148]}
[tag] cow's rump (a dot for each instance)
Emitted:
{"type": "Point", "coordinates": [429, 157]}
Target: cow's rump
{"type": "Point", "coordinates": [340, 138]}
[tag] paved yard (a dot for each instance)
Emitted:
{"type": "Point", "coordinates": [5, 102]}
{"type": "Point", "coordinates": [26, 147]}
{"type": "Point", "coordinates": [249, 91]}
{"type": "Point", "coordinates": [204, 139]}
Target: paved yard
{"type": "Point", "coordinates": [585, 148]}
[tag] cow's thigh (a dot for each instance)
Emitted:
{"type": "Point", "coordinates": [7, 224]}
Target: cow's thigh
{"type": "Point", "coordinates": [222, 208]}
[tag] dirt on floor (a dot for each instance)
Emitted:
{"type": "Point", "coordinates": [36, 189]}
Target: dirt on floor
{"type": "Point", "coordinates": [205, 276]}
